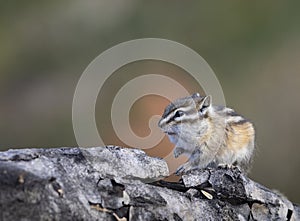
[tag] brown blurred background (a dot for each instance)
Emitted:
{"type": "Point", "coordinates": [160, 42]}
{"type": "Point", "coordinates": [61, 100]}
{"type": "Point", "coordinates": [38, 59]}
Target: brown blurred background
{"type": "Point", "coordinates": [253, 47]}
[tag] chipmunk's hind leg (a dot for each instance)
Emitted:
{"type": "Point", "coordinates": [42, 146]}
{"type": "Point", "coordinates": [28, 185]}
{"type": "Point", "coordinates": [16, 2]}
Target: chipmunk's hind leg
{"type": "Point", "coordinates": [193, 163]}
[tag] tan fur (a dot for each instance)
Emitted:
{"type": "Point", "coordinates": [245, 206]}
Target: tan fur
{"type": "Point", "coordinates": [238, 136]}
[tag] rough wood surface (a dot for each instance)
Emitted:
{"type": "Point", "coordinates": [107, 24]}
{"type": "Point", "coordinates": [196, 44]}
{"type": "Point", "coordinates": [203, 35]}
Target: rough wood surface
{"type": "Point", "coordinates": [113, 183]}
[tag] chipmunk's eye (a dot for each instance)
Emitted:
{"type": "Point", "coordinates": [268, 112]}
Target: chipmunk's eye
{"type": "Point", "coordinates": [178, 113]}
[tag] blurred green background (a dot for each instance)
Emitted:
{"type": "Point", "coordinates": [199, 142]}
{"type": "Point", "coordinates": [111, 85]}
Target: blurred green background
{"type": "Point", "coordinates": [253, 47]}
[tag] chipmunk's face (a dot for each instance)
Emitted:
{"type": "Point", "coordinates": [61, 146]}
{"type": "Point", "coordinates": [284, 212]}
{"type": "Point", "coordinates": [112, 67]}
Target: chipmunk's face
{"type": "Point", "coordinates": [186, 119]}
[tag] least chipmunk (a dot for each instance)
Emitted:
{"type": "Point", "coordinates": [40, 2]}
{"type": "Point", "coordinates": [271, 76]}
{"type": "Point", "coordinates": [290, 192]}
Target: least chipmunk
{"type": "Point", "coordinates": [210, 135]}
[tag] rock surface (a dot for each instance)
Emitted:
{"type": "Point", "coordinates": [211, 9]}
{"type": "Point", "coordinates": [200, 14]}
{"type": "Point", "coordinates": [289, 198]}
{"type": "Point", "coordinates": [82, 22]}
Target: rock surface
{"type": "Point", "coordinates": [114, 183]}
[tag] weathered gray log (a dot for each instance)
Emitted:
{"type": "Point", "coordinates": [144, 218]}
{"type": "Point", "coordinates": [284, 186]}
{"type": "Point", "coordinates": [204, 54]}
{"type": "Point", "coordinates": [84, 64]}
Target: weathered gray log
{"type": "Point", "coordinates": [113, 183]}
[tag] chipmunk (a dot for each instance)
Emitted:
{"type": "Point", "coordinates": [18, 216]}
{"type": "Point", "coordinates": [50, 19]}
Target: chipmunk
{"type": "Point", "coordinates": [210, 135]}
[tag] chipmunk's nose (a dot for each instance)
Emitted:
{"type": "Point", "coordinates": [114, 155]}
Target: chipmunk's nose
{"type": "Point", "coordinates": [161, 123]}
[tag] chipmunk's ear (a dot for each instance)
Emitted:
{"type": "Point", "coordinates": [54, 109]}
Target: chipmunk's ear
{"type": "Point", "coordinates": [205, 104]}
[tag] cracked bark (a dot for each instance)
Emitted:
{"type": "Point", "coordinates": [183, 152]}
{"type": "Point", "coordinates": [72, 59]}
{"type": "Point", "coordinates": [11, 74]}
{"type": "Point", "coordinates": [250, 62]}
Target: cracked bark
{"type": "Point", "coordinates": [113, 183]}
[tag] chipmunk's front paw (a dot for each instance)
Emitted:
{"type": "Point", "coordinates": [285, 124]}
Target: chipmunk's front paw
{"type": "Point", "coordinates": [178, 151]}
{"type": "Point", "coordinates": [183, 169]}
